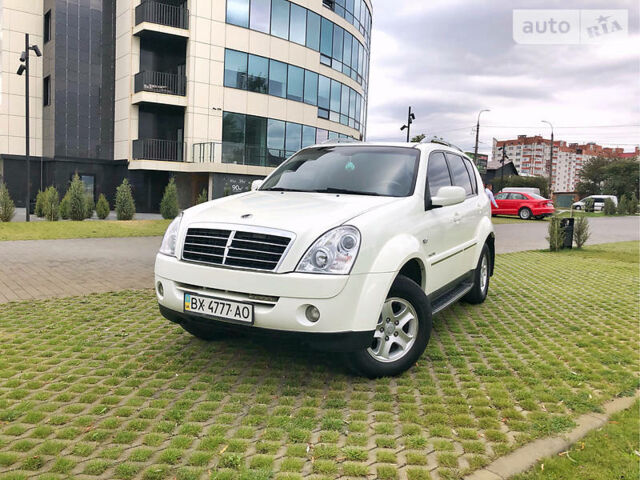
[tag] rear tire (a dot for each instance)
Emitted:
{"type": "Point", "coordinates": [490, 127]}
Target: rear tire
{"type": "Point", "coordinates": [478, 293]}
{"type": "Point", "coordinates": [208, 333]}
{"type": "Point", "coordinates": [401, 335]}
{"type": "Point", "coordinates": [525, 213]}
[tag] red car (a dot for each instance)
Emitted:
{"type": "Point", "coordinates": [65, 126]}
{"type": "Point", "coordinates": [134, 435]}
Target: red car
{"type": "Point", "coordinates": [524, 205]}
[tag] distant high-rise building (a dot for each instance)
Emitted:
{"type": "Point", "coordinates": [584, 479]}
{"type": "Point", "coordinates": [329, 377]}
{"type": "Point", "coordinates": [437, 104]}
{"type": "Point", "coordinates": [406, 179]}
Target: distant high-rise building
{"type": "Point", "coordinates": [530, 155]}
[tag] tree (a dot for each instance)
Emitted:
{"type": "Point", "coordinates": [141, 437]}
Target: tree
{"type": "Point", "coordinates": [622, 176]}
{"type": "Point", "coordinates": [39, 204]}
{"type": "Point", "coordinates": [64, 207]}
{"type": "Point", "coordinates": [77, 200]}
{"type": "Point", "coordinates": [592, 176]}
{"type": "Point", "coordinates": [51, 204]}
{"type": "Point", "coordinates": [7, 207]}
{"type": "Point", "coordinates": [89, 206]}
{"type": "Point", "coordinates": [102, 207]}
{"type": "Point", "coordinates": [125, 206]}
{"type": "Point", "coordinates": [609, 207]}
{"type": "Point", "coordinates": [633, 205]}
{"type": "Point", "coordinates": [418, 138]}
{"type": "Point", "coordinates": [556, 234]}
{"type": "Point", "coordinates": [169, 207]}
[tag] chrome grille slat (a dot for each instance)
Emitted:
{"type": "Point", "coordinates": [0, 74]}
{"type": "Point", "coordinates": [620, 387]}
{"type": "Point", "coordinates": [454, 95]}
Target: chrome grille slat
{"type": "Point", "coordinates": [235, 248]}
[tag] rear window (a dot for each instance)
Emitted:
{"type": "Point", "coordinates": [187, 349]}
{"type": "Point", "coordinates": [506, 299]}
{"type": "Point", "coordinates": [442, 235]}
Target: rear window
{"type": "Point", "coordinates": [536, 196]}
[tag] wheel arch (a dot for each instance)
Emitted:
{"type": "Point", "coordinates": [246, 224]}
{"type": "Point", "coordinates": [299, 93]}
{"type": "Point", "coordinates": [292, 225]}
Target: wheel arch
{"type": "Point", "coordinates": [414, 270]}
{"type": "Point", "coordinates": [491, 243]}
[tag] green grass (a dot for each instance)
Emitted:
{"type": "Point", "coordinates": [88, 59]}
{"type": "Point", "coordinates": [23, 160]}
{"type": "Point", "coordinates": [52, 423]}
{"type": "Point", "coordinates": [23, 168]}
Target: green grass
{"type": "Point", "coordinates": [610, 452]}
{"type": "Point", "coordinates": [504, 219]}
{"type": "Point", "coordinates": [86, 229]}
{"type": "Point", "coordinates": [103, 386]}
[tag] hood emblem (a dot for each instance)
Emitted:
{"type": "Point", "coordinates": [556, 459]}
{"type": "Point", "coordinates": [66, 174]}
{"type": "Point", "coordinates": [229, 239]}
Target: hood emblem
{"type": "Point", "coordinates": [246, 215]}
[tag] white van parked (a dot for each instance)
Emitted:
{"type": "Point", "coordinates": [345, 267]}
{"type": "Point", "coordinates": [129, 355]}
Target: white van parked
{"type": "Point", "coordinates": [598, 202]}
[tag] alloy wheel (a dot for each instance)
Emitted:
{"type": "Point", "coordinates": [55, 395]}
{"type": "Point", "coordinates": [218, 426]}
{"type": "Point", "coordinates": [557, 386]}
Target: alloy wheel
{"type": "Point", "coordinates": [396, 331]}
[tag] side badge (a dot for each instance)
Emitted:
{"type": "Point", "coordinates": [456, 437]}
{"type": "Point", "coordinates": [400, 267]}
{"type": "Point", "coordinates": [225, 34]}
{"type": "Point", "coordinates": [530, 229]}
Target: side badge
{"type": "Point", "coordinates": [246, 215]}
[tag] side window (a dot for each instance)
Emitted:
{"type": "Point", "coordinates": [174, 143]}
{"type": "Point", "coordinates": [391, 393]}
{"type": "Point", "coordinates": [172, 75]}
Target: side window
{"type": "Point", "coordinates": [472, 175]}
{"type": "Point", "coordinates": [437, 173]}
{"type": "Point", "coordinates": [459, 173]}
{"type": "Point", "coordinates": [517, 196]}
{"type": "Point", "coordinates": [501, 196]}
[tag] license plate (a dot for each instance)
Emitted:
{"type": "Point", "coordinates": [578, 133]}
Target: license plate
{"type": "Point", "coordinates": [218, 308]}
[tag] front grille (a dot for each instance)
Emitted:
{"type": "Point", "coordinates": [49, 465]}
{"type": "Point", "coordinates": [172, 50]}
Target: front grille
{"type": "Point", "coordinates": [234, 248]}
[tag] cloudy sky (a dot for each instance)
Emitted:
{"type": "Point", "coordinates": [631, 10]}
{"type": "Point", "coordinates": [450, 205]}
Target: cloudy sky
{"type": "Point", "coordinates": [449, 59]}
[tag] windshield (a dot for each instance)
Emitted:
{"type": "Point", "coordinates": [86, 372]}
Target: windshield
{"type": "Point", "coordinates": [358, 170]}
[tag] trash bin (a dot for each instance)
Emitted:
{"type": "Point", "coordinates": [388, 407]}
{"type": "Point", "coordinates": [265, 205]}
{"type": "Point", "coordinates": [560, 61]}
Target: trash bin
{"type": "Point", "coordinates": [567, 227]}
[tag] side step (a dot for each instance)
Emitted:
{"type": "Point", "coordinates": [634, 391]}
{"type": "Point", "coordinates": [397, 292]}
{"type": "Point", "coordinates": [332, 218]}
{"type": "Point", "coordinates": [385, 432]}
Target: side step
{"type": "Point", "coordinates": [450, 297]}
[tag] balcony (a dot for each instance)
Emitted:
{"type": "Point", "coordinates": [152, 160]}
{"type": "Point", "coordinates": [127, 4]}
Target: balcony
{"type": "Point", "coordinates": [165, 14]}
{"type": "Point", "coordinates": [156, 149]}
{"type": "Point", "coordinates": [160, 82]}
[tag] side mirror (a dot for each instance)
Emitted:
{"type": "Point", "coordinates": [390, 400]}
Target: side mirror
{"type": "Point", "coordinates": [256, 184]}
{"type": "Point", "coordinates": [449, 196]}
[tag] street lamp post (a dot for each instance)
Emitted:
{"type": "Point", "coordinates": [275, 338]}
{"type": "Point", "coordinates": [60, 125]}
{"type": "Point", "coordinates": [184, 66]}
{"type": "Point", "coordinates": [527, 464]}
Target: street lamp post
{"type": "Point", "coordinates": [550, 159]}
{"type": "Point", "coordinates": [24, 68]}
{"type": "Point", "coordinates": [475, 151]}
{"type": "Point", "coordinates": [410, 118]}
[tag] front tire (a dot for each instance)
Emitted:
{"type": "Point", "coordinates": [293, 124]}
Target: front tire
{"type": "Point", "coordinates": [478, 293]}
{"type": "Point", "coordinates": [402, 333]}
{"type": "Point", "coordinates": [525, 213]}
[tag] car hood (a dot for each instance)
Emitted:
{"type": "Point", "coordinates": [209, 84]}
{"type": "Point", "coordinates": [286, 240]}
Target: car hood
{"type": "Point", "coordinates": [307, 215]}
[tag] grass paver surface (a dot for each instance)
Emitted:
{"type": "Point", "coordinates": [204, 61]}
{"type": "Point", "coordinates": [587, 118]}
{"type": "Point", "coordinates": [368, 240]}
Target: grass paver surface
{"type": "Point", "coordinates": [609, 452]}
{"type": "Point", "coordinates": [86, 229]}
{"type": "Point", "coordinates": [103, 387]}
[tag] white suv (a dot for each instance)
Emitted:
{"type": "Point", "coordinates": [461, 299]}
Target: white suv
{"type": "Point", "coordinates": [346, 247]}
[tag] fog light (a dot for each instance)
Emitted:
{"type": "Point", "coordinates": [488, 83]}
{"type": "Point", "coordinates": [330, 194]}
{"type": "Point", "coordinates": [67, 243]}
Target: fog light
{"type": "Point", "coordinates": [312, 313]}
{"type": "Point", "coordinates": [160, 289]}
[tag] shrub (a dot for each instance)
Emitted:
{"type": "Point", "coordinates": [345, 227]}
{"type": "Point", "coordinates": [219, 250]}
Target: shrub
{"type": "Point", "coordinates": [89, 206]}
{"type": "Point", "coordinates": [39, 204]}
{"type": "Point", "coordinates": [125, 206]}
{"type": "Point", "coordinates": [609, 207]}
{"type": "Point", "coordinates": [64, 207]}
{"type": "Point", "coordinates": [588, 205]}
{"type": "Point", "coordinates": [556, 234]}
{"type": "Point", "coordinates": [169, 205]}
{"type": "Point", "coordinates": [77, 207]}
{"type": "Point", "coordinates": [51, 204]}
{"type": "Point", "coordinates": [633, 205]}
{"type": "Point", "coordinates": [102, 207]}
{"type": "Point", "coordinates": [581, 231]}
{"type": "Point", "coordinates": [202, 197]}
{"type": "Point", "coordinates": [623, 206]}
{"type": "Point", "coordinates": [7, 207]}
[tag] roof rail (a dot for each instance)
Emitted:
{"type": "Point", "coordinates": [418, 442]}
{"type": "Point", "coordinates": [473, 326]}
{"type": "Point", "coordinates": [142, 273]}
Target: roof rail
{"type": "Point", "coordinates": [340, 140]}
{"type": "Point", "coordinates": [441, 141]}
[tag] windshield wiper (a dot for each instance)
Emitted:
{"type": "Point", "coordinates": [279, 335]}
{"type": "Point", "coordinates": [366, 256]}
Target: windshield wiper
{"type": "Point", "coordinates": [281, 189]}
{"type": "Point", "coordinates": [347, 192]}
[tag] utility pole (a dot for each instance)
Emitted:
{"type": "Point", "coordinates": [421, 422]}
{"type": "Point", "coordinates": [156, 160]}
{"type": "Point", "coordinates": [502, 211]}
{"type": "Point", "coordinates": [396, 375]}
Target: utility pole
{"type": "Point", "coordinates": [550, 160]}
{"type": "Point", "coordinates": [24, 68]}
{"type": "Point", "coordinates": [475, 151]}
{"type": "Point", "coordinates": [410, 118]}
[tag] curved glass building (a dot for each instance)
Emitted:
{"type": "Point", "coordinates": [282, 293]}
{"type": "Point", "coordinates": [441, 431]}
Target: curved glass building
{"type": "Point", "coordinates": [218, 93]}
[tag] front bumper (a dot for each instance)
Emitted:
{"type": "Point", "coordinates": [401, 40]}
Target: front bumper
{"type": "Point", "coordinates": [347, 303]}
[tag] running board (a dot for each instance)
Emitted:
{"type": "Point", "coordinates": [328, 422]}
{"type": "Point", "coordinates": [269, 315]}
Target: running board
{"type": "Point", "coordinates": [450, 297]}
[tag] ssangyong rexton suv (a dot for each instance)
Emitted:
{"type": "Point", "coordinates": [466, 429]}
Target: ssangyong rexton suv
{"type": "Point", "coordinates": [349, 247]}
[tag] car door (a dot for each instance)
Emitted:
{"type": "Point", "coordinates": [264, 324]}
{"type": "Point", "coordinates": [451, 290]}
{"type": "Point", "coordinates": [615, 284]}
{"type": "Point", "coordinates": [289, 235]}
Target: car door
{"type": "Point", "coordinates": [518, 201]}
{"type": "Point", "coordinates": [437, 228]}
{"type": "Point", "coordinates": [467, 213]}
{"type": "Point", "coordinates": [501, 200]}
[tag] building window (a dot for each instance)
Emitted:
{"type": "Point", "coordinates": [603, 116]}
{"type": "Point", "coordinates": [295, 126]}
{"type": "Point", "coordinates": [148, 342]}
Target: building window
{"type": "Point", "coordinates": [295, 83]}
{"type": "Point", "coordinates": [313, 31]}
{"type": "Point", "coordinates": [235, 69]}
{"type": "Point", "coordinates": [258, 74]}
{"type": "Point", "coordinates": [260, 15]}
{"type": "Point", "coordinates": [280, 18]}
{"type": "Point", "coordinates": [310, 87]}
{"type": "Point", "coordinates": [46, 91]}
{"type": "Point", "coordinates": [298, 24]}
{"type": "Point", "coordinates": [277, 78]}
{"type": "Point", "coordinates": [238, 12]}
{"type": "Point", "coordinates": [47, 27]}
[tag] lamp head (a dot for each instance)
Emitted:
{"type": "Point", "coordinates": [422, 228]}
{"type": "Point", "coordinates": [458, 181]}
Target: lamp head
{"type": "Point", "coordinates": [23, 57]}
{"type": "Point", "coordinates": [36, 50]}
{"type": "Point", "coordinates": [21, 69]}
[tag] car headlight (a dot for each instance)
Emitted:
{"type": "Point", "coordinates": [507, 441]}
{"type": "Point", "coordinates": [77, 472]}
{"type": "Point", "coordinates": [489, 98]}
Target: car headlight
{"type": "Point", "coordinates": [170, 239]}
{"type": "Point", "coordinates": [334, 252]}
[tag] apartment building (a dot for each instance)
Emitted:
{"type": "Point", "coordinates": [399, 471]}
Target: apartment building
{"type": "Point", "coordinates": [215, 93]}
{"type": "Point", "coordinates": [530, 156]}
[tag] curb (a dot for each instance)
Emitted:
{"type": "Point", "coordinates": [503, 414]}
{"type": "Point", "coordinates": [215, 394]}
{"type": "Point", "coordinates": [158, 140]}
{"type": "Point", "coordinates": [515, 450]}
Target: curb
{"type": "Point", "coordinates": [525, 457]}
